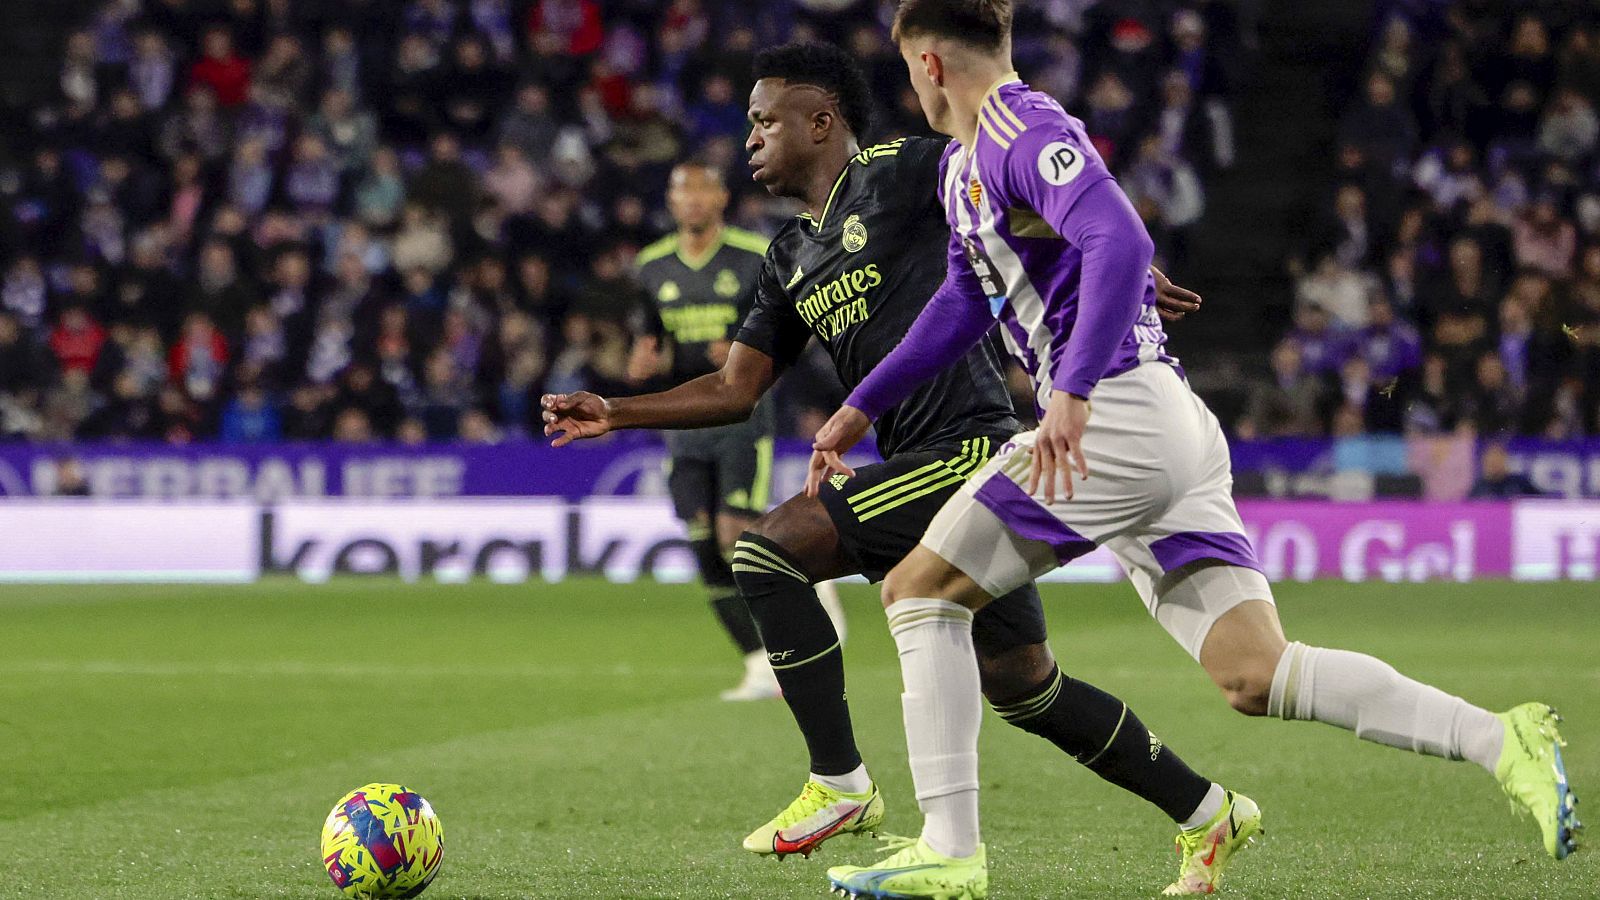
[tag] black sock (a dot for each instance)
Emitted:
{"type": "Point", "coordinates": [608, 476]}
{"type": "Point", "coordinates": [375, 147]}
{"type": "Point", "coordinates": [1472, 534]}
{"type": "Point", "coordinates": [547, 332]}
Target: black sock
{"type": "Point", "coordinates": [725, 601]}
{"type": "Point", "coordinates": [803, 648]}
{"type": "Point", "coordinates": [1101, 732]}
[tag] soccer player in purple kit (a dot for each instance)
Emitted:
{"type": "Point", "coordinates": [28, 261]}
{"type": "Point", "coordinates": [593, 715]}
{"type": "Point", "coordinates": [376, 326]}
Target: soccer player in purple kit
{"type": "Point", "coordinates": [1044, 241]}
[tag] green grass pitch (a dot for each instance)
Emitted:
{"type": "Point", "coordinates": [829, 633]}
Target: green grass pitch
{"type": "Point", "coordinates": [187, 742]}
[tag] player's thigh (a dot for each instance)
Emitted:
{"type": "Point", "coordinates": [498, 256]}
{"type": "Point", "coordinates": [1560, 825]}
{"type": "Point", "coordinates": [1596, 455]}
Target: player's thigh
{"type": "Point", "coordinates": [925, 574]}
{"type": "Point", "coordinates": [691, 483]}
{"type": "Point", "coordinates": [802, 527]}
{"type": "Point", "coordinates": [883, 510]}
{"type": "Point", "coordinates": [1193, 565]}
{"type": "Point", "coordinates": [1003, 538]}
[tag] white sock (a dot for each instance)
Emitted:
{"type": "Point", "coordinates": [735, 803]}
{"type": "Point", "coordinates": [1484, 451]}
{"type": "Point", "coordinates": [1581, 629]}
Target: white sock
{"type": "Point", "coordinates": [855, 781]}
{"type": "Point", "coordinates": [943, 707]}
{"type": "Point", "coordinates": [1367, 696]}
{"type": "Point", "coordinates": [1210, 805]}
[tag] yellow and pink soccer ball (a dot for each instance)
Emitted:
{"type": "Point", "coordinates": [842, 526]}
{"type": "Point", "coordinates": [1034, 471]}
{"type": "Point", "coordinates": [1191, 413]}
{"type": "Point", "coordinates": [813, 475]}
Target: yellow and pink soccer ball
{"type": "Point", "coordinates": [382, 841]}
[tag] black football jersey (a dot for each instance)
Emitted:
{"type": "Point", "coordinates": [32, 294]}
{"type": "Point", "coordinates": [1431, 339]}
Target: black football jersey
{"type": "Point", "coordinates": [695, 302]}
{"type": "Point", "coordinates": [858, 276]}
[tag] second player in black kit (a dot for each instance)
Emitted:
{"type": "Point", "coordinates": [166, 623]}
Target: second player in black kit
{"type": "Point", "coordinates": [699, 282]}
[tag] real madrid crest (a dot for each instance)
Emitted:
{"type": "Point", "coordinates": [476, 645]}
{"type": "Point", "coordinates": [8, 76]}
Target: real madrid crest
{"type": "Point", "coordinates": [855, 234]}
{"type": "Point", "coordinates": [727, 284]}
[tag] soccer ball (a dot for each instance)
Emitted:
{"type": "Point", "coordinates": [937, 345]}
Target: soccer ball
{"type": "Point", "coordinates": [382, 840]}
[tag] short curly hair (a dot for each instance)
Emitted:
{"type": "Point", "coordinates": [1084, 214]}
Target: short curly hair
{"type": "Point", "coordinates": [824, 66]}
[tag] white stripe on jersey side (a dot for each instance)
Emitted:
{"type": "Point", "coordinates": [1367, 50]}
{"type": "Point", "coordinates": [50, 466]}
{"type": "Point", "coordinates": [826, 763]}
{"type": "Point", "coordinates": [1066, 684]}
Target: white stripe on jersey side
{"type": "Point", "coordinates": [955, 202]}
{"type": "Point", "coordinates": [1023, 296]}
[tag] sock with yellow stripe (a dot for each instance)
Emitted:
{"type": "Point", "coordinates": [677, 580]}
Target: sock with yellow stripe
{"type": "Point", "coordinates": [1103, 734]}
{"type": "Point", "coordinates": [803, 649]}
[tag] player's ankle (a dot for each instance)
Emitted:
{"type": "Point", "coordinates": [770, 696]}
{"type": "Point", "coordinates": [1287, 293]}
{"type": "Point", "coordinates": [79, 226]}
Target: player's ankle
{"type": "Point", "coordinates": [855, 781]}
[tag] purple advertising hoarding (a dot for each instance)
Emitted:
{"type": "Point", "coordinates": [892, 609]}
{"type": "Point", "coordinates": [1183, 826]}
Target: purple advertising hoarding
{"type": "Point", "coordinates": [1382, 541]}
{"type": "Point", "coordinates": [632, 464]}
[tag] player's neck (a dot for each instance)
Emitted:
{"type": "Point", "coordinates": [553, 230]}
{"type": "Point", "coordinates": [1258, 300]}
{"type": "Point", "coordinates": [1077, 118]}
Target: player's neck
{"type": "Point", "coordinates": [819, 185]}
{"type": "Point", "coordinates": [694, 243]}
{"type": "Point", "coordinates": [968, 89]}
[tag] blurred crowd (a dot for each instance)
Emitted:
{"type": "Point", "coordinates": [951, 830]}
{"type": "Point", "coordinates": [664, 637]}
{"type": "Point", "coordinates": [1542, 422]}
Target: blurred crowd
{"type": "Point", "coordinates": [1451, 281]}
{"type": "Point", "coordinates": [257, 220]}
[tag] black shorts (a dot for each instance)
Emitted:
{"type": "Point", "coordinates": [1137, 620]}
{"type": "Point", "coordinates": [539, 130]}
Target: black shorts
{"type": "Point", "coordinates": [720, 470]}
{"type": "Point", "coordinates": [883, 511]}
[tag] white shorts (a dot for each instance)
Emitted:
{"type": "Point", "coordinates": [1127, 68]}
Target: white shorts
{"type": "Point", "coordinates": [1159, 496]}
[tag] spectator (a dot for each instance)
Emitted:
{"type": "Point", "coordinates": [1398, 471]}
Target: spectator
{"type": "Point", "coordinates": [250, 418]}
{"type": "Point", "coordinates": [1390, 347]}
{"type": "Point", "coordinates": [1322, 346]}
{"type": "Point", "coordinates": [512, 181]}
{"type": "Point", "coordinates": [574, 26]}
{"type": "Point", "coordinates": [341, 61]}
{"type": "Point", "coordinates": [1493, 404]}
{"type": "Point", "coordinates": [77, 340]}
{"type": "Point", "coordinates": [422, 243]}
{"type": "Point", "coordinates": [219, 289]}
{"type": "Point", "coordinates": [312, 181]}
{"type": "Point", "coordinates": [282, 79]}
{"type": "Point", "coordinates": [474, 81]}
{"type": "Point", "coordinates": [1338, 290]}
{"type": "Point", "coordinates": [529, 124]}
{"type": "Point", "coordinates": [1380, 126]}
{"type": "Point", "coordinates": [199, 358]}
{"type": "Point", "coordinates": [1287, 406]}
{"type": "Point", "coordinates": [382, 193]}
{"type": "Point", "coordinates": [153, 71]}
{"type": "Point", "coordinates": [250, 177]}
{"type": "Point", "coordinates": [1166, 192]}
{"type": "Point", "coordinates": [222, 70]}
{"type": "Point", "coordinates": [1496, 481]}
{"type": "Point", "coordinates": [350, 134]}
{"type": "Point", "coordinates": [1545, 241]}
{"type": "Point", "coordinates": [445, 184]}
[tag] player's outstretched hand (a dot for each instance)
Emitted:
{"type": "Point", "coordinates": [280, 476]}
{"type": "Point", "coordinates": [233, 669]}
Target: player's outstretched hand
{"type": "Point", "coordinates": [1058, 452]}
{"type": "Point", "coordinates": [841, 432]}
{"type": "Point", "coordinates": [1173, 302]}
{"type": "Point", "coordinates": [573, 417]}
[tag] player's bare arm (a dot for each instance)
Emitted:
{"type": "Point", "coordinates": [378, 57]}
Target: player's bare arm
{"type": "Point", "coordinates": [723, 397]}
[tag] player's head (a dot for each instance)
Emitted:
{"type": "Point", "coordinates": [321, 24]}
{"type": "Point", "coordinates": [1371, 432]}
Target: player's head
{"type": "Point", "coordinates": [809, 99]}
{"type": "Point", "coordinates": [942, 39]}
{"type": "Point", "coordinates": [696, 196]}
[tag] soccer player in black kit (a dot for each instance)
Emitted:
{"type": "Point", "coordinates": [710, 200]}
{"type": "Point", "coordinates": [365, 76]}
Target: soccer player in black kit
{"type": "Point", "coordinates": [700, 281]}
{"type": "Point", "coordinates": [853, 271]}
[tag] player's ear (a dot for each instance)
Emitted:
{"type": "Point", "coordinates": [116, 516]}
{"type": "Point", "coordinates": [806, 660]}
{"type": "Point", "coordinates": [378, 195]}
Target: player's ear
{"type": "Point", "coordinates": [822, 124]}
{"type": "Point", "coordinates": [934, 66]}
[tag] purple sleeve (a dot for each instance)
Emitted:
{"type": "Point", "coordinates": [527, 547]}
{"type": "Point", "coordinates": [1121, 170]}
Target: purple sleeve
{"type": "Point", "coordinates": [1060, 177]}
{"type": "Point", "coordinates": [955, 319]}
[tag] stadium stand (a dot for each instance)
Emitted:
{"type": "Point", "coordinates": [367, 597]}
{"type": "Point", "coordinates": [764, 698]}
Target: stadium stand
{"type": "Point", "coordinates": [262, 220]}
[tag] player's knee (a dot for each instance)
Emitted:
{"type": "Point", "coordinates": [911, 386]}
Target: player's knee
{"type": "Point", "coordinates": [1012, 673]}
{"type": "Point", "coordinates": [902, 583]}
{"type": "Point", "coordinates": [1247, 686]}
